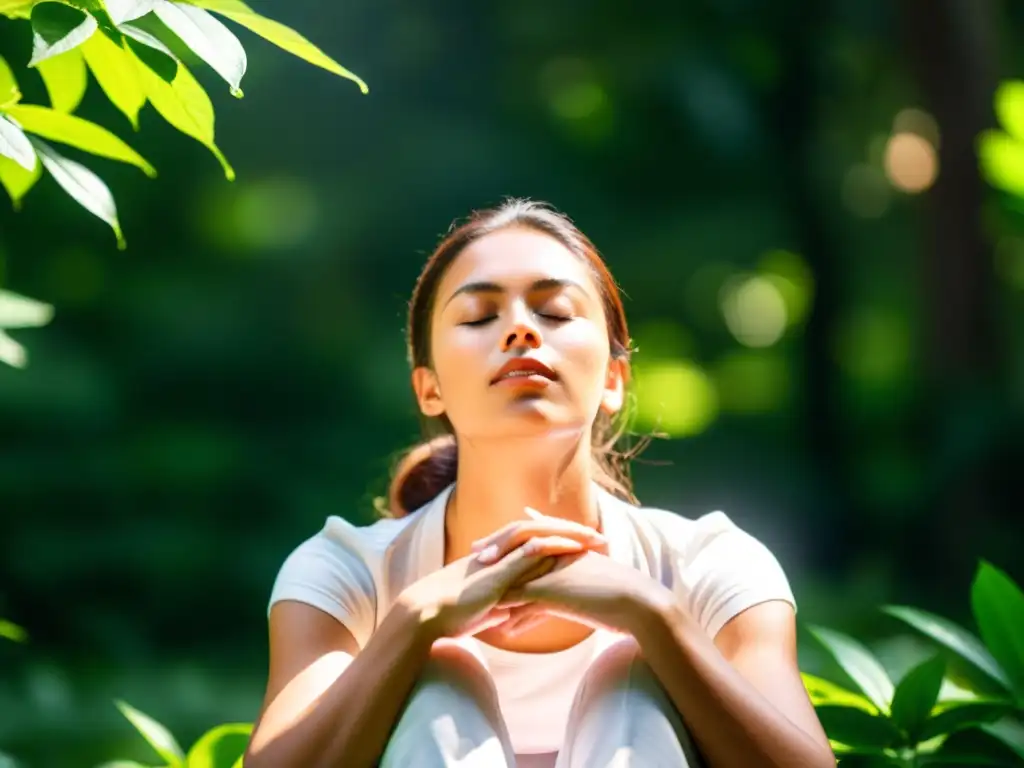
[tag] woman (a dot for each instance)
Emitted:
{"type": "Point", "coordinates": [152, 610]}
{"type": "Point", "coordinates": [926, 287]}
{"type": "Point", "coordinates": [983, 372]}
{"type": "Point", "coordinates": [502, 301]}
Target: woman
{"type": "Point", "coordinates": [519, 608]}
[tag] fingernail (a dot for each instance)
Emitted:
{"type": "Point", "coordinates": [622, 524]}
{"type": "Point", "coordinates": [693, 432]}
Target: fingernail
{"type": "Point", "coordinates": [488, 554]}
{"type": "Point", "coordinates": [531, 512]}
{"type": "Point", "coordinates": [477, 545]}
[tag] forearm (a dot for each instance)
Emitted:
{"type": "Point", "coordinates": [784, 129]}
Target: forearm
{"type": "Point", "coordinates": [349, 724]}
{"type": "Point", "coordinates": [734, 725]}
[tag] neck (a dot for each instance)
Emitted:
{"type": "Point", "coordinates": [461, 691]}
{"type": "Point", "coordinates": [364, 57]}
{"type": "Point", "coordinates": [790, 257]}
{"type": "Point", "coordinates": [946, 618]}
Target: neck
{"type": "Point", "coordinates": [497, 480]}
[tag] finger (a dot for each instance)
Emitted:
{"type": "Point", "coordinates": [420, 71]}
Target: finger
{"type": "Point", "coordinates": [551, 545]}
{"type": "Point", "coordinates": [517, 564]}
{"type": "Point", "coordinates": [537, 523]}
{"type": "Point", "coordinates": [495, 617]}
{"type": "Point", "coordinates": [542, 545]}
{"type": "Point", "coordinates": [499, 545]}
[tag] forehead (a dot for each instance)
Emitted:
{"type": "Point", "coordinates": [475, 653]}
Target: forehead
{"type": "Point", "coordinates": [515, 258]}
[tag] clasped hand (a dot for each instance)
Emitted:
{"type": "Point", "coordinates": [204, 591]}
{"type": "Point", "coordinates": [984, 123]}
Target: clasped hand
{"type": "Point", "coordinates": [530, 569]}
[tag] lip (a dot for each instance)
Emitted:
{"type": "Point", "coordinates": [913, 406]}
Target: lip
{"type": "Point", "coordinates": [536, 368]}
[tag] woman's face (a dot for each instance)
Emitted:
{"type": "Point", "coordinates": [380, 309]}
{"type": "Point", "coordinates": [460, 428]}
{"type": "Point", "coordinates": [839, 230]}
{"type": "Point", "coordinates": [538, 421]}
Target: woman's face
{"type": "Point", "coordinates": [519, 341]}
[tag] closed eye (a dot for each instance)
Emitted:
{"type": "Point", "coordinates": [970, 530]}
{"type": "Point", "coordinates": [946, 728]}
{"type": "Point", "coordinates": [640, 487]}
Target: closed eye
{"type": "Point", "coordinates": [545, 315]}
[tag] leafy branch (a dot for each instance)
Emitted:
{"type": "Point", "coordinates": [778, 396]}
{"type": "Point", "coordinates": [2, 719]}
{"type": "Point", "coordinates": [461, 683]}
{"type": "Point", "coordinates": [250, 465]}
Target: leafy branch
{"type": "Point", "coordinates": [127, 46]}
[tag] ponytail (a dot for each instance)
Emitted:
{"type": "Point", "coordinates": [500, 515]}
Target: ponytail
{"type": "Point", "coordinates": [422, 473]}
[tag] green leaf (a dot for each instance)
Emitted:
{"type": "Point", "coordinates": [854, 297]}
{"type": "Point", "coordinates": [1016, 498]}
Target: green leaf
{"type": "Point", "coordinates": [11, 352]}
{"type": "Point", "coordinates": [1001, 158]}
{"type": "Point", "coordinates": [16, 9]}
{"type": "Point", "coordinates": [98, 10]}
{"type": "Point", "coordinates": [1009, 732]}
{"type": "Point", "coordinates": [151, 52]}
{"type": "Point", "coordinates": [916, 695]}
{"type": "Point", "coordinates": [220, 747]}
{"type": "Point", "coordinates": [858, 662]}
{"type": "Point", "coordinates": [128, 10]}
{"type": "Point", "coordinates": [185, 105]}
{"type": "Point", "coordinates": [17, 181]}
{"type": "Point", "coordinates": [9, 93]}
{"type": "Point", "coordinates": [21, 312]}
{"type": "Point", "coordinates": [823, 692]}
{"type": "Point", "coordinates": [208, 38]}
{"type": "Point", "coordinates": [85, 187]}
{"type": "Point", "coordinates": [123, 764]}
{"type": "Point", "coordinates": [856, 728]}
{"type": "Point", "coordinates": [961, 716]}
{"type": "Point", "coordinates": [65, 79]}
{"type": "Point", "coordinates": [870, 761]}
{"type": "Point", "coordinates": [115, 71]}
{"type": "Point", "coordinates": [970, 748]}
{"type": "Point", "coordinates": [954, 637]}
{"type": "Point", "coordinates": [280, 35]}
{"type": "Point", "coordinates": [76, 132]}
{"type": "Point", "coordinates": [998, 606]}
{"type": "Point", "coordinates": [57, 28]}
{"type": "Point", "coordinates": [15, 144]}
{"type": "Point", "coordinates": [157, 735]}
{"type": "Point", "coordinates": [9, 629]}
{"type": "Point", "coordinates": [1009, 107]}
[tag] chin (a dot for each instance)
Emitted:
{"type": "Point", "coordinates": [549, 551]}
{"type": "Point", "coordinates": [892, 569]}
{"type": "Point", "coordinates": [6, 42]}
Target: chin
{"type": "Point", "coordinates": [538, 419]}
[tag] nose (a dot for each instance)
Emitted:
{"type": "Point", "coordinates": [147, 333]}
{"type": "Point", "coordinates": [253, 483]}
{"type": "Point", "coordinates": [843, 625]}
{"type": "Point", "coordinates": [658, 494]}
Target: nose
{"type": "Point", "coordinates": [521, 336]}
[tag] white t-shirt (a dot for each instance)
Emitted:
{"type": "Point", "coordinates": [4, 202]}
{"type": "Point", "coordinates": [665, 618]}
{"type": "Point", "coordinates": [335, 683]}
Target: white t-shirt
{"type": "Point", "coordinates": [355, 573]}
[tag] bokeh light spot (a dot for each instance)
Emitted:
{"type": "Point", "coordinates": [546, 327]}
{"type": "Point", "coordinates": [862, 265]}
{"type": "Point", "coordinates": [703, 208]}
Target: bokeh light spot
{"type": "Point", "coordinates": [754, 310]}
{"type": "Point", "coordinates": [1001, 158]}
{"type": "Point", "coordinates": [577, 97]}
{"type": "Point", "coordinates": [793, 279]}
{"type": "Point", "coordinates": [911, 162]}
{"type": "Point", "coordinates": [674, 397]}
{"type": "Point", "coordinates": [273, 214]}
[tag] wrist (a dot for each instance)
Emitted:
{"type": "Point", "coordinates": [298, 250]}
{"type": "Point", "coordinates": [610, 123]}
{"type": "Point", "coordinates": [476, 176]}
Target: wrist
{"type": "Point", "coordinates": [418, 621]}
{"type": "Point", "coordinates": [656, 613]}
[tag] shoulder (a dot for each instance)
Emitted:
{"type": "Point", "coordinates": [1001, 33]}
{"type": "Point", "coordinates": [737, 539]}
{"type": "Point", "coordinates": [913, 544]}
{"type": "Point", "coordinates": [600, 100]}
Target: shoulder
{"type": "Point", "coordinates": [341, 541]}
{"type": "Point", "coordinates": [688, 537]}
{"type": "Point", "coordinates": [716, 567]}
{"type": "Point", "coordinates": [338, 570]}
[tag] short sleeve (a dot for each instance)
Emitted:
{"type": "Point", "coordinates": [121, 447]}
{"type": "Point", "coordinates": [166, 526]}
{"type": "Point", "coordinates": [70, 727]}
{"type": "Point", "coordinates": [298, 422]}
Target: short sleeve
{"type": "Point", "coordinates": [328, 571]}
{"type": "Point", "coordinates": [724, 571]}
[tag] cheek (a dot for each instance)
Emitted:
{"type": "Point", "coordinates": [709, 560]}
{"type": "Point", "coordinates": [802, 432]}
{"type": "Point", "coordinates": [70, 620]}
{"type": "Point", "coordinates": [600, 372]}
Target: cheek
{"type": "Point", "coordinates": [460, 359]}
{"type": "Point", "coordinates": [583, 344]}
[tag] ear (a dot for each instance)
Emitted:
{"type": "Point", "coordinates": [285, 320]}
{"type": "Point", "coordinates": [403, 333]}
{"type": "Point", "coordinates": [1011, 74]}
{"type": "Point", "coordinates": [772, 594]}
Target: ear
{"type": "Point", "coordinates": [614, 394]}
{"type": "Point", "coordinates": [428, 392]}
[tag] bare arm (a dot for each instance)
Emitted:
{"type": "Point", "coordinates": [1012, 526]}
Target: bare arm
{"type": "Point", "coordinates": [327, 703]}
{"type": "Point", "coordinates": [741, 695]}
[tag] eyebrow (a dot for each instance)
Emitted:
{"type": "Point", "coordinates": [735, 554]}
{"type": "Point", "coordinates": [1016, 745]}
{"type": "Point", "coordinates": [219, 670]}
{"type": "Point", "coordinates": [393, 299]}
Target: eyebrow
{"type": "Point", "coordinates": [545, 284]}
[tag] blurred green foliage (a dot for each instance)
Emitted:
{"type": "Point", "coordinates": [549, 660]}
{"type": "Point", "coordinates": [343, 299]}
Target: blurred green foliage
{"type": "Point", "coordinates": [127, 47]}
{"type": "Point", "coordinates": [963, 706]}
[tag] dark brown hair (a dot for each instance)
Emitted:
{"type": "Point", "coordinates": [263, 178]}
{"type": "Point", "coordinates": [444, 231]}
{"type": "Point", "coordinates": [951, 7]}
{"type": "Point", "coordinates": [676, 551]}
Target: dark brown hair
{"type": "Point", "coordinates": [429, 467]}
